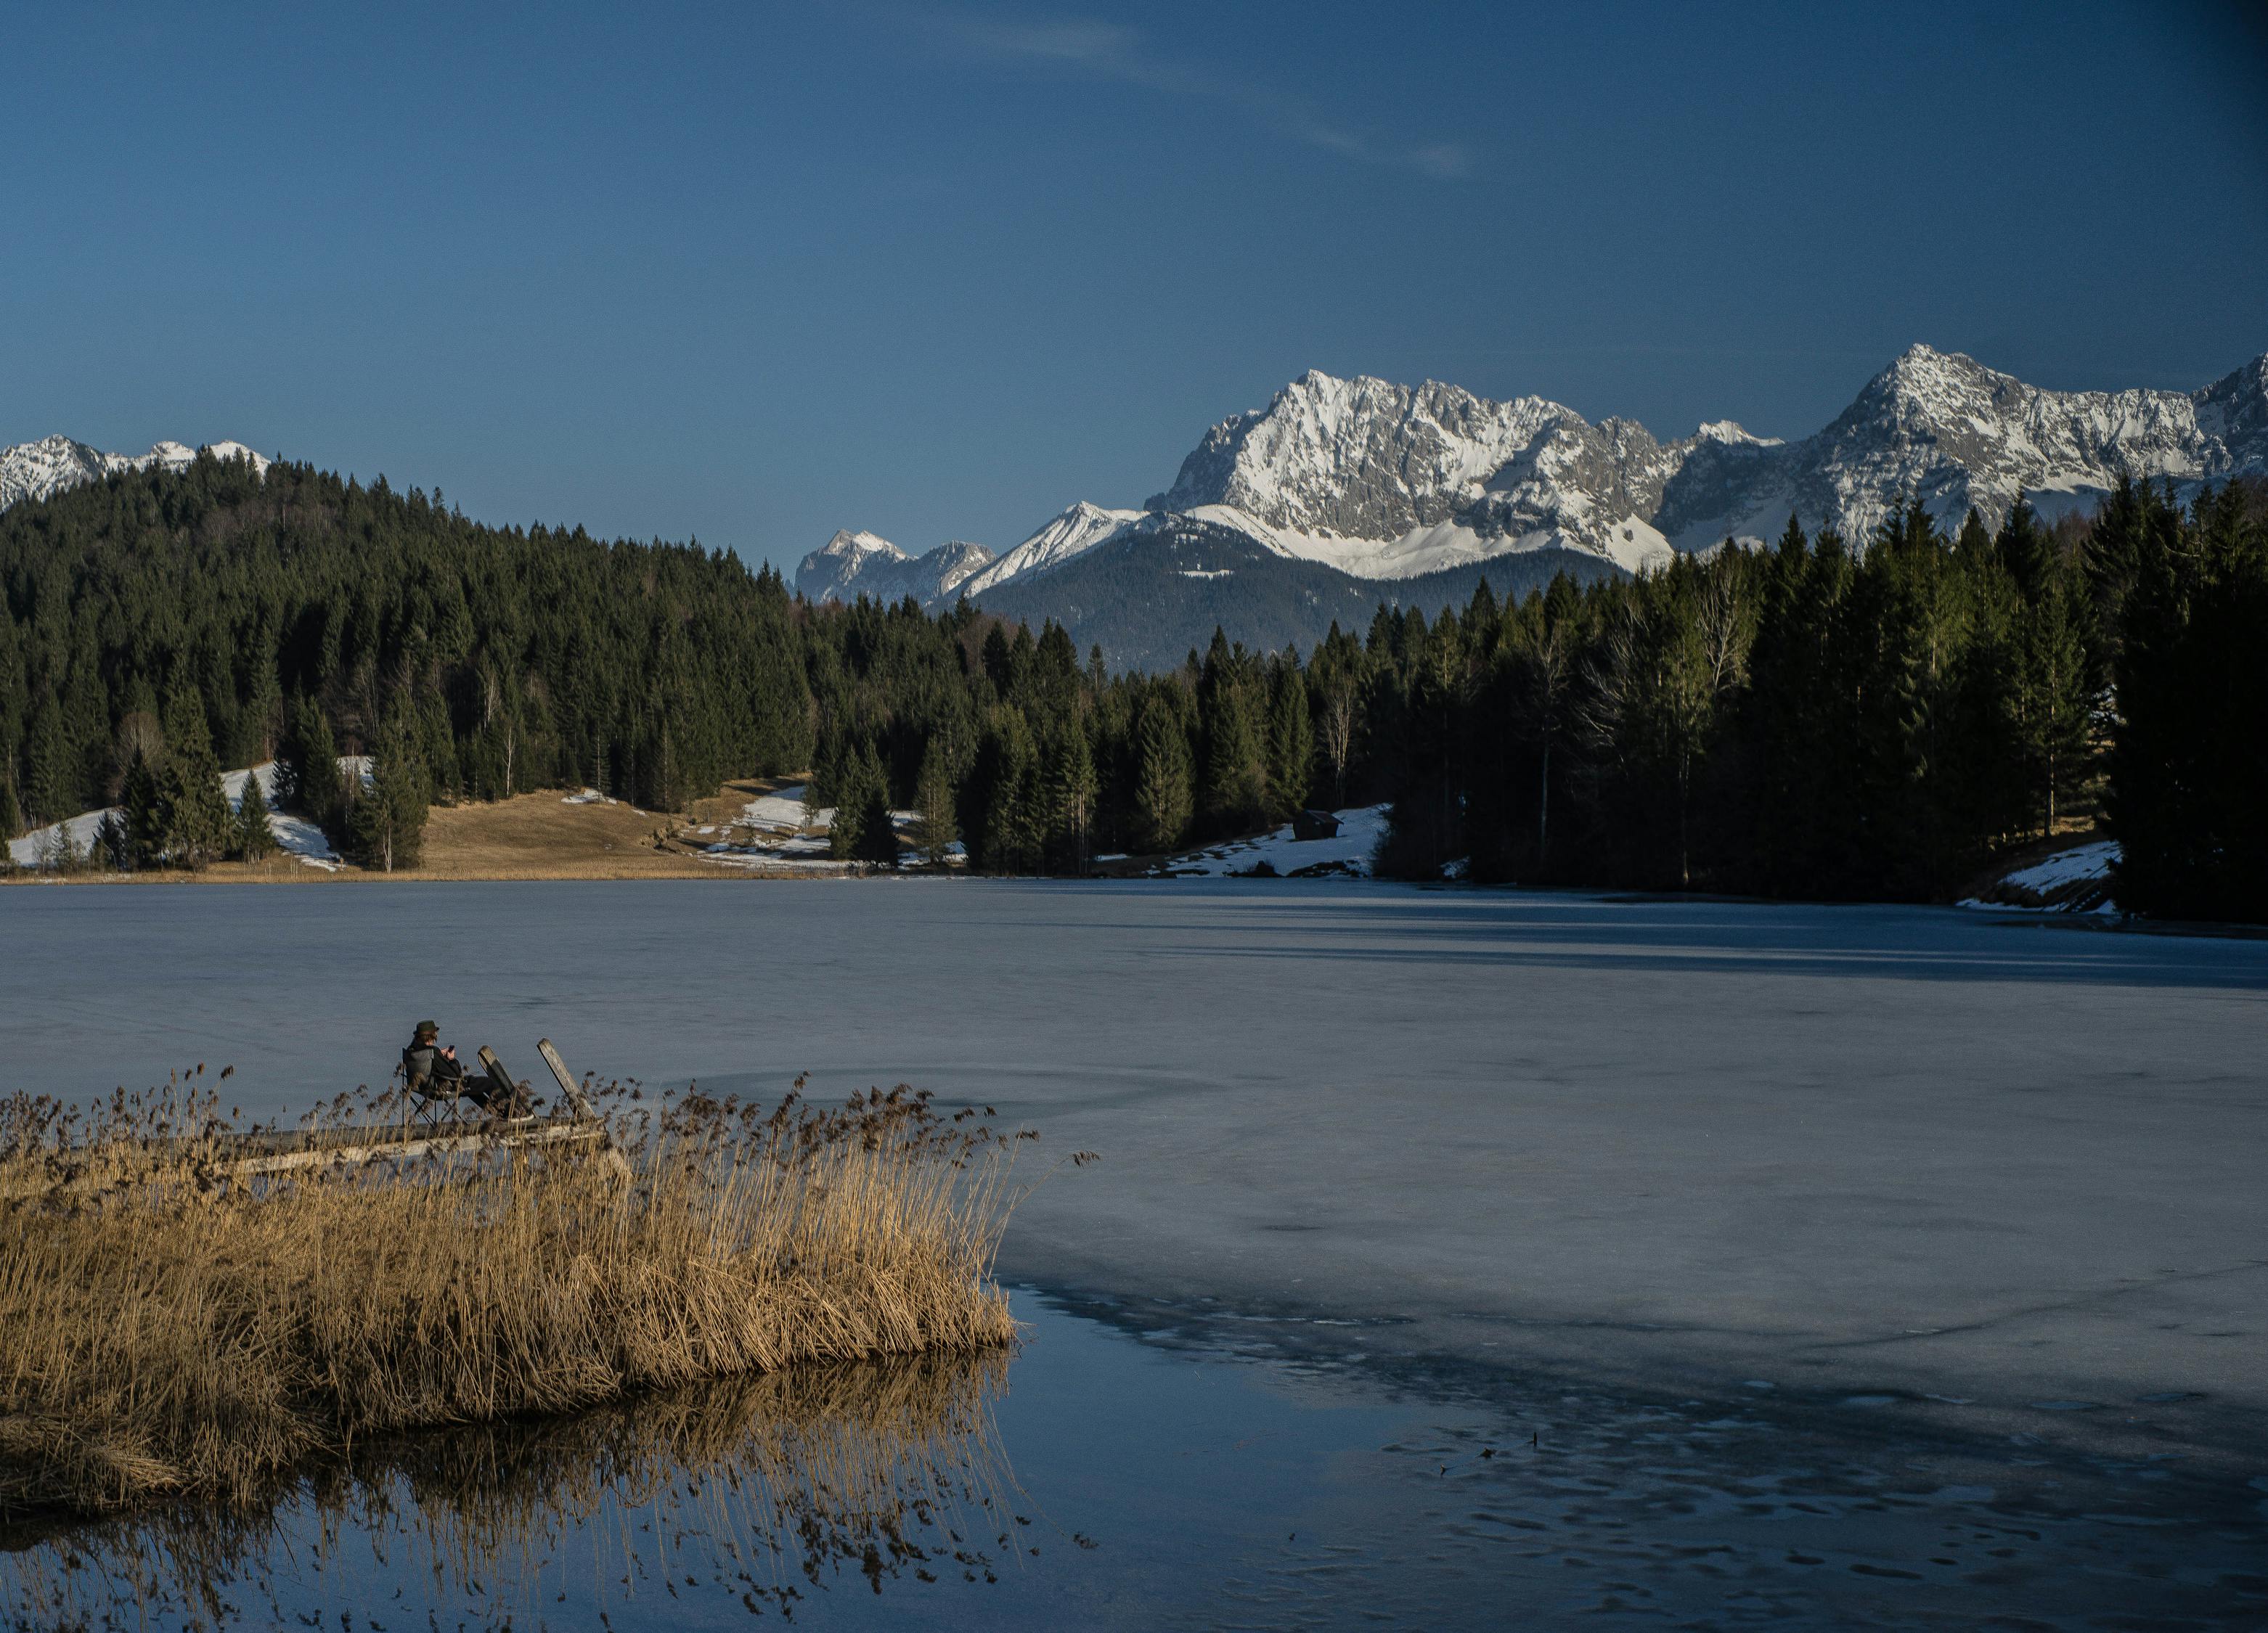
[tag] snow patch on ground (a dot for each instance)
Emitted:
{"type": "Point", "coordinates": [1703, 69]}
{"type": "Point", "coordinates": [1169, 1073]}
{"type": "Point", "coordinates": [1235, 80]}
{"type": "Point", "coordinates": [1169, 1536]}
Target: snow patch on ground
{"type": "Point", "coordinates": [1360, 830]}
{"type": "Point", "coordinates": [39, 847]}
{"type": "Point", "coordinates": [294, 835]}
{"type": "Point", "coordinates": [2076, 880]}
{"type": "Point", "coordinates": [780, 829]}
{"type": "Point", "coordinates": [2068, 867]}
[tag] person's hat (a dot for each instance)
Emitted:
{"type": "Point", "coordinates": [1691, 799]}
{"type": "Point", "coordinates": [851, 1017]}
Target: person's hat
{"type": "Point", "coordinates": [426, 1028]}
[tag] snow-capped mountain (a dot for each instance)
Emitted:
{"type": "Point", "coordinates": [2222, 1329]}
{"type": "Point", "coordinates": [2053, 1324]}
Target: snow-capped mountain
{"type": "Point", "coordinates": [1399, 484]}
{"type": "Point", "coordinates": [1075, 530]}
{"type": "Point", "coordinates": [1943, 429]}
{"type": "Point", "coordinates": [35, 470]}
{"type": "Point", "coordinates": [852, 564]}
{"type": "Point", "coordinates": [1386, 481]}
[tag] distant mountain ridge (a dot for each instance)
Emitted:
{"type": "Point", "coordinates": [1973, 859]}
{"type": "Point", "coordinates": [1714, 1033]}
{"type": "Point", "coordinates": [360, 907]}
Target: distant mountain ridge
{"type": "Point", "coordinates": [1391, 485]}
{"type": "Point", "coordinates": [37, 470]}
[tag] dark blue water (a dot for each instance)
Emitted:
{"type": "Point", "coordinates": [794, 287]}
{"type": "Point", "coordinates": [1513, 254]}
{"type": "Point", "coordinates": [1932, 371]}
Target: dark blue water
{"type": "Point", "coordinates": [1131, 1468]}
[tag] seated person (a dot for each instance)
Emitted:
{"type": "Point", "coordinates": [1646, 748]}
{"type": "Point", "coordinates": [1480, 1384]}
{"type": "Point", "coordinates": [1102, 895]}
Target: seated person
{"type": "Point", "coordinates": [432, 1066]}
{"type": "Point", "coordinates": [431, 1069]}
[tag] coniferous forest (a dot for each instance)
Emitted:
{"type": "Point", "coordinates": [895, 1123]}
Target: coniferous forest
{"type": "Point", "coordinates": [1821, 719]}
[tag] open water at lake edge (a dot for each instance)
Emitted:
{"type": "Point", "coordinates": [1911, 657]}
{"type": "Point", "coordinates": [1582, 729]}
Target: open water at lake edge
{"type": "Point", "coordinates": [1129, 1469]}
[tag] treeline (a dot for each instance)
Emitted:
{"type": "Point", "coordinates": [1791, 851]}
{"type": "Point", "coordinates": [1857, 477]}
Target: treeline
{"type": "Point", "coordinates": [301, 616]}
{"type": "Point", "coordinates": [1806, 721]}
{"type": "Point", "coordinates": [1811, 720]}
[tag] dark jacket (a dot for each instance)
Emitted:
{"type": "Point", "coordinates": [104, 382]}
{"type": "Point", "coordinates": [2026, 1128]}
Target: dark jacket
{"type": "Point", "coordinates": [422, 1062]}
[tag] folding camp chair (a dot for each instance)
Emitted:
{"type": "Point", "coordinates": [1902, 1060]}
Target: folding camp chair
{"type": "Point", "coordinates": [435, 1098]}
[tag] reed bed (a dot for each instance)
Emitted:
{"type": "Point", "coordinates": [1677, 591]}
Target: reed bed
{"type": "Point", "coordinates": [760, 1490]}
{"type": "Point", "coordinates": [171, 1326]}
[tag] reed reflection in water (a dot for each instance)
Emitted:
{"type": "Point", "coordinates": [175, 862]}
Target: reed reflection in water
{"type": "Point", "coordinates": [762, 1489]}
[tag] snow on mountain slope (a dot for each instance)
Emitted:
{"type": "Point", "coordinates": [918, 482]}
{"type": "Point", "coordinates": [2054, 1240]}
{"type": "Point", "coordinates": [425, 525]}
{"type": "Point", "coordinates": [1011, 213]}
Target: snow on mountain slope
{"type": "Point", "coordinates": [1384, 480]}
{"type": "Point", "coordinates": [1380, 482]}
{"type": "Point", "coordinates": [852, 564]}
{"type": "Point", "coordinates": [37, 470]}
{"type": "Point", "coordinates": [1943, 429]}
{"type": "Point", "coordinates": [1079, 528]}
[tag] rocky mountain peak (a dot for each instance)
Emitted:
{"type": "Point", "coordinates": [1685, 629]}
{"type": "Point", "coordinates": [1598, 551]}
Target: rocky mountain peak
{"type": "Point", "coordinates": [850, 546]}
{"type": "Point", "coordinates": [1380, 482]}
{"type": "Point", "coordinates": [36, 470]}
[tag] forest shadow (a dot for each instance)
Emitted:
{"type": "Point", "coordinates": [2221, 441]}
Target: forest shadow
{"type": "Point", "coordinates": [1551, 930]}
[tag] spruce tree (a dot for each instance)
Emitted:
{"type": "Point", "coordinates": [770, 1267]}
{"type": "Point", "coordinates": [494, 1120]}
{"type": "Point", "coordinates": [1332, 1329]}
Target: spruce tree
{"type": "Point", "coordinates": [112, 850]}
{"type": "Point", "coordinates": [1162, 797]}
{"type": "Point", "coordinates": [255, 840]}
{"type": "Point", "coordinates": [934, 832]}
{"type": "Point", "coordinates": [2188, 779]}
{"type": "Point", "coordinates": [1236, 776]}
{"type": "Point", "coordinates": [1013, 823]}
{"type": "Point", "coordinates": [2056, 692]}
{"type": "Point", "coordinates": [198, 823]}
{"type": "Point", "coordinates": [1291, 736]}
{"type": "Point", "coordinates": [878, 838]}
{"type": "Point", "coordinates": [145, 822]}
{"type": "Point", "coordinates": [385, 826]}
{"type": "Point", "coordinates": [1071, 791]}
{"type": "Point", "coordinates": [312, 780]}
{"type": "Point", "coordinates": [853, 804]}
{"type": "Point", "coordinates": [48, 778]}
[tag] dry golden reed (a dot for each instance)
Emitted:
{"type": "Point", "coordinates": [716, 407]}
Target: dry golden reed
{"type": "Point", "coordinates": [169, 1325]}
{"type": "Point", "coordinates": [760, 1490]}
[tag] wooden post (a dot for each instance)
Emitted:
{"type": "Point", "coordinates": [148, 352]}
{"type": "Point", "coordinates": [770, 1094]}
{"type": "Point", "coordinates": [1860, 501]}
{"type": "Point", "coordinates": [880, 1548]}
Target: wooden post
{"type": "Point", "coordinates": [567, 1084]}
{"type": "Point", "coordinates": [506, 1085]}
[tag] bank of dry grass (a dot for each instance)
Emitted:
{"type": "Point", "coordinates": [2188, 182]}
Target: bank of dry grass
{"type": "Point", "coordinates": [168, 1325]}
{"type": "Point", "coordinates": [771, 1481]}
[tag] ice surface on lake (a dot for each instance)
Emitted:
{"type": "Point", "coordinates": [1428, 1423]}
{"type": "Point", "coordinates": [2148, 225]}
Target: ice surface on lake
{"type": "Point", "coordinates": [1873, 1151]}
{"type": "Point", "coordinates": [1608, 1167]}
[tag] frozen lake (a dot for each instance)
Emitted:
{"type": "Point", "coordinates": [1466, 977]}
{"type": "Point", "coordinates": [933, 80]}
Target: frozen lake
{"type": "Point", "coordinates": [1915, 1189]}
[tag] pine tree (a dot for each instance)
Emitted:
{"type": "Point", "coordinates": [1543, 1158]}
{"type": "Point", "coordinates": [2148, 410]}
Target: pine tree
{"type": "Point", "coordinates": [112, 850]}
{"type": "Point", "coordinates": [1292, 737]}
{"type": "Point", "coordinates": [934, 831]}
{"type": "Point", "coordinates": [1071, 793]}
{"type": "Point", "coordinates": [2188, 779]}
{"type": "Point", "coordinates": [254, 839]}
{"type": "Point", "coordinates": [385, 826]}
{"type": "Point", "coordinates": [1162, 797]}
{"type": "Point", "coordinates": [1236, 776]}
{"type": "Point", "coordinates": [48, 780]}
{"type": "Point", "coordinates": [1013, 825]}
{"type": "Point", "coordinates": [2056, 692]}
{"type": "Point", "coordinates": [311, 779]}
{"type": "Point", "coordinates": [878, 838]}
{"type": "Point", "coordinates": [197, 821]}
{"type": "Point", "coordinates": [146, 823]}
{"type": "Point", "coordinates": [846, 787]}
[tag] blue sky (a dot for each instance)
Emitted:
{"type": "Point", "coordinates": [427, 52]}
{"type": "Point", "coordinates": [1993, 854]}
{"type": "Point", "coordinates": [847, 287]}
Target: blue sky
{"type": "Point", "coordinates": [753, 272]}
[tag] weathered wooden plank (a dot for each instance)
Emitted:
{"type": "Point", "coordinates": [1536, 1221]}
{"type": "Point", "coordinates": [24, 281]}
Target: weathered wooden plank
{"type": "Point", "coordinates": [568, 1086]}
{"type": "Point", "coordinates": [490, 1138]}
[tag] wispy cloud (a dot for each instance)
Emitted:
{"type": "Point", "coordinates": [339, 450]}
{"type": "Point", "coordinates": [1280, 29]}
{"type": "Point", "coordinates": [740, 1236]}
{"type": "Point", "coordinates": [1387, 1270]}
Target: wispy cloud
{"type": "Point", "coordinates": [1112, 51]}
